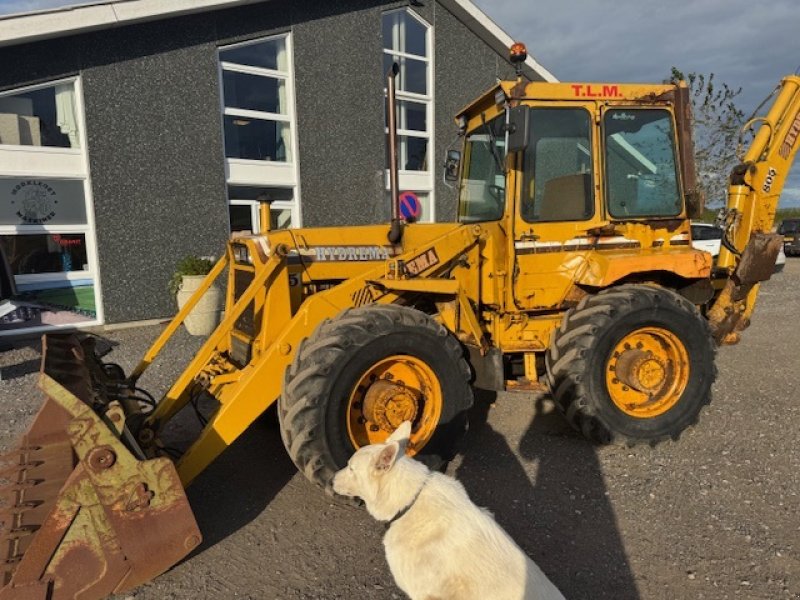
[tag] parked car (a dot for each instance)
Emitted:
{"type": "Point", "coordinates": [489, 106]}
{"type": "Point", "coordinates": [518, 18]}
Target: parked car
{"type": "Point", "coordinates": [790, 230]}
{"type": "Point", "coordinates": [708, 237]}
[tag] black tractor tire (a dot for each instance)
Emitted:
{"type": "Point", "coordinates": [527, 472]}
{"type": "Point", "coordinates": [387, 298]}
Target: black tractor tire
{"type": "Point", "coordinates": [327, 366]}
{"type": "Point", "coordinates": [581, 348]}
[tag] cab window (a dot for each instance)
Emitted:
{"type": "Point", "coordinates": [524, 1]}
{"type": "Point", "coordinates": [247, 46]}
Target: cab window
{"type": "Point", "coordinates": [558, 166]}
{"type": "Point", "coordinates": [641, 177]}
{"type": "Point", "coordinates": [483, 185]}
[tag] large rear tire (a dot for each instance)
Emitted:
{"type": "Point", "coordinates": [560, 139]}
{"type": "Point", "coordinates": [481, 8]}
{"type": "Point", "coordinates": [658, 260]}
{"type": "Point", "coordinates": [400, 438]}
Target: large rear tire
{"type": "Point", "coordinates": [632, 364]}
{"type": "Point", "coordinates": [362, 374]}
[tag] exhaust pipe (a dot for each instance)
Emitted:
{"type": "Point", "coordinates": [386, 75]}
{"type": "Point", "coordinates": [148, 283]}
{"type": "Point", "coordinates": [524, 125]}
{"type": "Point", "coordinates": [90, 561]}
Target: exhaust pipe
{"type": "Point", "coordinates": [396, 227]}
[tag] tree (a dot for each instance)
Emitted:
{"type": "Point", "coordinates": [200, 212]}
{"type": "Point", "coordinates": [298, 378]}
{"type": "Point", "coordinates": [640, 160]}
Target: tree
{"type": "Point", "coordinates": [717, 121]}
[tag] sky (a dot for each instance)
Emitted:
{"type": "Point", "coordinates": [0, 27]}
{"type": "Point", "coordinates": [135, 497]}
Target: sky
{"type": "Point", "coordinates": [744, 43]}
{"type": "Point", "coordinates": [15, 6]}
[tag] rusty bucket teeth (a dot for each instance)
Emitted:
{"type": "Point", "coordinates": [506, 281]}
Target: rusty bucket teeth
{"type": "Point", "coordinates": [27, 497]}
{"type": "Point", "coordinates": [80, 516]}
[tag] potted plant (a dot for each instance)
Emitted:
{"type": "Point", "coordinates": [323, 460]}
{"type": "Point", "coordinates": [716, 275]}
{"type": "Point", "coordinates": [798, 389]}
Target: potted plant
{"type": "Point", "coordinates": [189, 274]}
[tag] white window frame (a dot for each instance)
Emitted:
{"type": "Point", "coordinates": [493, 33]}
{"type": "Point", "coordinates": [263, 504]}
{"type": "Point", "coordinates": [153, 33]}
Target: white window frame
{"type": "Point", "coordinates": [255, 173]}
{"type": "Point", "coordinates": [254, 208]}
{"type": "Point", "coordinates": [418, 181]}
{"type": "Point", "coordinates": [45, 162]}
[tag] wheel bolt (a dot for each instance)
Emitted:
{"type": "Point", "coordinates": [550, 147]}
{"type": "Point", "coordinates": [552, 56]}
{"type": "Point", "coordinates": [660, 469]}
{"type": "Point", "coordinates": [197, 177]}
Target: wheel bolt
{"type": "Point", "coordinates": [374, 428]}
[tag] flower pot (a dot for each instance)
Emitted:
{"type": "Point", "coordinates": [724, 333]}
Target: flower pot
{"type": "Point", "coordinates": [205, 316]}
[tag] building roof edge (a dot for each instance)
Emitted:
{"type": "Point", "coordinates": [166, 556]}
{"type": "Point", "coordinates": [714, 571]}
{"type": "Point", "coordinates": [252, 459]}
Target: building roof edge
{"type": "Point", "coordinates": [92, 16]}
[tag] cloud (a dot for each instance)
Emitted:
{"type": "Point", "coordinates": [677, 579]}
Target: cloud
{"type": "Point", "coordinates": [792, 194]}
{"type": "Point", "coordinates": [790, 197]}
{"type": "Point", "coordinates": [8, 7]}
{"type": "Point", "coordinates": [639, 40]}
{"type": "Point", "coordinates": [743, 43]}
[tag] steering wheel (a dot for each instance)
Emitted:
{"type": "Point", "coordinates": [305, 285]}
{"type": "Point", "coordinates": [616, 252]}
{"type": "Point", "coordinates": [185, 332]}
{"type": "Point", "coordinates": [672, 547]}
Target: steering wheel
{"type": "Point", "coordinates": [498, 193]}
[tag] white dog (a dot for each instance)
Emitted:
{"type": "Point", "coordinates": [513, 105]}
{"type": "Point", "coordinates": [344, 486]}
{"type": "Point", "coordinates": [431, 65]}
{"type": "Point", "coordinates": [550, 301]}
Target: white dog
{"type": "Point", "coordinates": [439, 545]}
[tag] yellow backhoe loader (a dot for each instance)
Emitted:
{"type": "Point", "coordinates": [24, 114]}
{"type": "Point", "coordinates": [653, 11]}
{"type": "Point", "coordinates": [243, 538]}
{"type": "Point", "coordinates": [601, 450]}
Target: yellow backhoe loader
{"type": "Point", "coordinates": [570, 263]}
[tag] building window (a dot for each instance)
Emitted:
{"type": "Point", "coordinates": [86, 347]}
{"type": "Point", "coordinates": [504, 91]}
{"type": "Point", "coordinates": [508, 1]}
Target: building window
{"type": "Point", "coordinates": [259, 129]}
{"type": "Point", "coordinates": [46, 219]}
{"type": "Point", "coordinates": [244, 206]}
{"type": "Point", "coordinates": [44, 116]}
{"type": "Point", "coordinates": [407, 41]}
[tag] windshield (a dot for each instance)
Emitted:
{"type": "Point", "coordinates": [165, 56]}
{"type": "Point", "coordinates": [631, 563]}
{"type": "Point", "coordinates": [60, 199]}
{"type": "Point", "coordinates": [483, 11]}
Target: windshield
{"type": "Point", "coordinates": [640, 164]}
{"type": "Point", "coordinates": [483, 185]}
{"type": "Point", "coordinates": [789, 227]}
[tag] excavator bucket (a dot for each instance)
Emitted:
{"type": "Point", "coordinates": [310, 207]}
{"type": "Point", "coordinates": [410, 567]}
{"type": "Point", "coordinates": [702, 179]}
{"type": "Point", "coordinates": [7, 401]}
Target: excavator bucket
{"type": "Point", "coordinates": [81, 515]}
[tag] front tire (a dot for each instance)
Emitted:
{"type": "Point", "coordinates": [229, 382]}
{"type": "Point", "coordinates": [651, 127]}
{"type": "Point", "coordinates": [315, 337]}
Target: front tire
{"type": "Point", "coordinates": [362, 374]}
{"type": "Point", "coordinates": [632, 364]}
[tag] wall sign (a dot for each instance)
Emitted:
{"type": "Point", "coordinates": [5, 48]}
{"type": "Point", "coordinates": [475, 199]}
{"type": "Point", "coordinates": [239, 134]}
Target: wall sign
{"type": "Point", "coordinates": [42, 202]}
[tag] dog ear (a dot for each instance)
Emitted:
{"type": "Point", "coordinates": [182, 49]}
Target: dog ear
{"type": "Point", "coordinates": [387, 457]}
{"type": "Point", "coordinates": [402, 433]}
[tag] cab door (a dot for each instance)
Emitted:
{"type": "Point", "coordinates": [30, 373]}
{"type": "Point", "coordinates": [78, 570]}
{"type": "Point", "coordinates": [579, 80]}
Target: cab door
{"type": "Point", "coordinates": [558, 203]}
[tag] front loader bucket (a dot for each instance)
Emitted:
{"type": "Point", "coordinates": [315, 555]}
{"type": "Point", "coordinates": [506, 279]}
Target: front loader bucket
{"type": "Point", "coordinates": [80, 515]}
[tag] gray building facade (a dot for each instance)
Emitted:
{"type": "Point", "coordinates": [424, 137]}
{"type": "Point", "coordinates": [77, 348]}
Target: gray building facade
{"type": "Point", "coordinates": [159, 123]}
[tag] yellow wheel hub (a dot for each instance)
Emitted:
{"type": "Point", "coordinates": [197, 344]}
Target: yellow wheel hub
{"type": "Point", "coordinates": [396, 389]}
{"type": "Point", "coordinates": [647, 372]}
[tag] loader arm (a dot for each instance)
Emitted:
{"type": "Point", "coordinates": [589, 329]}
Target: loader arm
{"type": "Point", "coordinates": [749, 250]}
{"type": "Point", "coordinates": [245, 391]}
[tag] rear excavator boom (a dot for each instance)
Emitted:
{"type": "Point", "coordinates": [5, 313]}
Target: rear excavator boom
{"type": "Point", "coordinates": [749, 249]}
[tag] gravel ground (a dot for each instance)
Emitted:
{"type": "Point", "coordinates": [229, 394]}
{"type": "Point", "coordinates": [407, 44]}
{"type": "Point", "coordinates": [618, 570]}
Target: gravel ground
{"type": "Point", "coordinates": [713, 516]}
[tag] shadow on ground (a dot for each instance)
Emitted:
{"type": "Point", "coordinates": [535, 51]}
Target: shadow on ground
{"type": "Point", "coordinates": [555, 507]}
{"type": "Point", "coordinates": [239, 485]}
{"type": "Point", "coordinates": [21, 368]}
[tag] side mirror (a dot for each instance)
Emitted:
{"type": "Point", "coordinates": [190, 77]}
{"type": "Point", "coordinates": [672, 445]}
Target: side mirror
{"type": "Point", "coordinates": [451, 165]}
{"type": "Point", "coordinates": [519, 119]}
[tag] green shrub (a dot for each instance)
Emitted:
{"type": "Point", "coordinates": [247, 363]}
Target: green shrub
{"type": "Point", "coordinates": [189, 265]}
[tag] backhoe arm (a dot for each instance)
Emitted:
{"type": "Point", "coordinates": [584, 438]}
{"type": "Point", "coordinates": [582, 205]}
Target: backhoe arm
{"type": "Point", "coordinates": [749, 250]}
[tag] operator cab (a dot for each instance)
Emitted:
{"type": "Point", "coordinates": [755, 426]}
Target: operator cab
{"type": "Point", "coordinates": [578, 168]}
{"type": "Point", "coordinates": [576, 153]}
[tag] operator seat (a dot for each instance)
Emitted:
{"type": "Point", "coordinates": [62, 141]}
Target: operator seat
{"type": "Point", "coordinates": [567, 198]}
